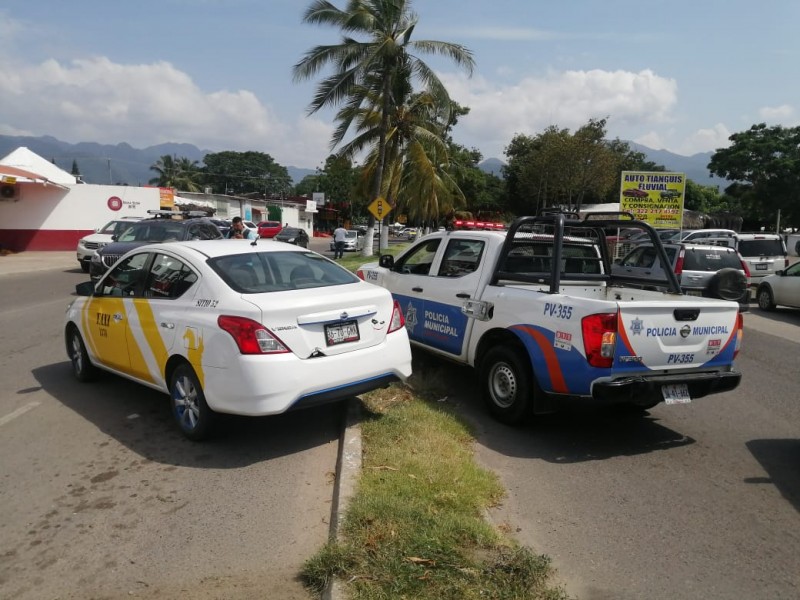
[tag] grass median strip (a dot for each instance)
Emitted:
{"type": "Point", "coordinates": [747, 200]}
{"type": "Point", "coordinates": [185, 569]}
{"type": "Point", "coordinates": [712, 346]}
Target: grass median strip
{"type": "Point", "coordinates": [415, 527]}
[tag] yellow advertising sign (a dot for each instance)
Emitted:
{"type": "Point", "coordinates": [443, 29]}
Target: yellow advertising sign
{"type": "Point", "coordinates": [166, 198]}
{"type": "Point", "coordinates": [654, 197]}
{"type": "Point", "coordinates": [379, 208]}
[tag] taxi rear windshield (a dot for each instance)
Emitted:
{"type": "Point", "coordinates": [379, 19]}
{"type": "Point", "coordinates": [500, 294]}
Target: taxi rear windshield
{"type": "Point", "coordinates": [263, 272]}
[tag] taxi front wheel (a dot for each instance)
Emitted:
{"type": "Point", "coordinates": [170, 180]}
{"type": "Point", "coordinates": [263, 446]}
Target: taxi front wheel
{"type": "Point", "coordinates": [189, 404]}
{"type": "Point", "coordinates": [82, 367]}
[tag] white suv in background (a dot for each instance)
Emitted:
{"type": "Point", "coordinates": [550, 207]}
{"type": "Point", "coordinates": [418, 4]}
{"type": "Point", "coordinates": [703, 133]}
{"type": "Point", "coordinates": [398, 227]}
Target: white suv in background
{"type": "Point", "coordinates": [102, 236]}
{"type": "Point", "coordinates": [764, 253]}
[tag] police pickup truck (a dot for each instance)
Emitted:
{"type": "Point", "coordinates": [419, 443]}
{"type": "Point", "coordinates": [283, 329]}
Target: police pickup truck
{"type": "Point", "coordinates": [540, 315]}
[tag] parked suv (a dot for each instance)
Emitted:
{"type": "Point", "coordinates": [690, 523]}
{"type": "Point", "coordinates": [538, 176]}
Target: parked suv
{"type": "Point", "coordinates": [702, 270]}
{"type": "Point", "coordinates": [102, 236]}
{"type": "Point", "coordinates": [163, 226]}
{"type": "Point", "coordinates": [764, 253]}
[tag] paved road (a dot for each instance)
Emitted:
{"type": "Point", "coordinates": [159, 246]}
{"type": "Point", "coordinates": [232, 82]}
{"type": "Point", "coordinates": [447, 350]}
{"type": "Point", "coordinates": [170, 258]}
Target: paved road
{"type": "Point", "coordinates": [101, 497]}
{"type": "Point", "coordinates": [697, 501]}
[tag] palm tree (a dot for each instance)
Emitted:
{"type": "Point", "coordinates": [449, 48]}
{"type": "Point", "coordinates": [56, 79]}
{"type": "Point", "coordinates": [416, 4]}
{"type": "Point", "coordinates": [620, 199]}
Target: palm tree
{"type": "Point", "coordinates": [167, 170]}
{"type": "Point", "coordinates": [365, 71]}
{"type": "Point", "coordinates": [180, 173]}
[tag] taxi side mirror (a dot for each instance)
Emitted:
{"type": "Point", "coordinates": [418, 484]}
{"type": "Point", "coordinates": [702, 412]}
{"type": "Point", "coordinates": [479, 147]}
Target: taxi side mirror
{"type": "Point", "coordinates": [386, 261]}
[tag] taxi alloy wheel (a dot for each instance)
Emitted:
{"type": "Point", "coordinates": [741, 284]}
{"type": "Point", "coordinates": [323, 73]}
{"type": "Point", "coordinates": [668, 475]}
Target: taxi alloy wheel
{"type": "Point", "coordinates": [189, 406]}
{"type": "Point", "coordinates": [82, 367]}
{"type": "Point", "coordinates": [507, 384]}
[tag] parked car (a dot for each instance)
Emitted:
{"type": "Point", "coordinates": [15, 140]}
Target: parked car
{"type": "Point", "coordinates": [702, 270]}
{"type": "Point", "coordinates": [163, 226]}
{"type": "Point", "coordinates": [102, 236]}
{"type": "Point", "coordinates": [781, 288]}
{"type": "Point", "coordinates": [764, 253]}
{"type": "Point", "coordinates": [226, 327]}
{"type": "Point", "coordinates": [701, 235]}
{"type": "Point", "coordinates": [352, 243]}
{"type": "Point", "coordinates": [269, 229]}
{"type": "Point", "coordinates": [223, 225]}
{"type": "Point", "coordinates": [293, 235]}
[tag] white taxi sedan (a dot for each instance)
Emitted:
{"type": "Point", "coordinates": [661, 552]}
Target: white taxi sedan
{"type": "Point", "coordinates": [235, 327]}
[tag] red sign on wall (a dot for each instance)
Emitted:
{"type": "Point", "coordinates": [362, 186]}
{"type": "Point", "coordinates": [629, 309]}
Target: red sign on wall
{"type": "Point", "coordinates": [114, 203]}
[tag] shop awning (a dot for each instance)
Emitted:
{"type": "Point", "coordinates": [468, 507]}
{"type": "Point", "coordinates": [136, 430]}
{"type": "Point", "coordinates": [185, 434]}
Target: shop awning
{"type": "Point", "coordinates": [13, 175]}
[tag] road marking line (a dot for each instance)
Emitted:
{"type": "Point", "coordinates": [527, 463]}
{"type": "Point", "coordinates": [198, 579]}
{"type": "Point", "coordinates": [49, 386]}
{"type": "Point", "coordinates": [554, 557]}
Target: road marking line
{"type": "Point", "coordinates": [18, 413]}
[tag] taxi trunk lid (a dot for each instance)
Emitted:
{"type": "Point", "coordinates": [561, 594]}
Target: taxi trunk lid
{"type": "Point", "coordinates": [336, 320]}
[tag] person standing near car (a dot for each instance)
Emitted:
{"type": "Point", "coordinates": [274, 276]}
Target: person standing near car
{"type": "Point", "coordinates": [238, 231]}
{"type": "Point", "coordinates": [339, 237]}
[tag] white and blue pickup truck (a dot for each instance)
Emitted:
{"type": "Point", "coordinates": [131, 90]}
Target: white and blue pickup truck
{"type": "Point", "coordinates": [539, 314]}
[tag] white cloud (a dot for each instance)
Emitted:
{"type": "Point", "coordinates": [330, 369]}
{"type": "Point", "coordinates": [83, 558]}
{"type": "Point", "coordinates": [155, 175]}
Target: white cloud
{"type": "Point", "coordinates": [566, 100]}
{"type": "Point", "coordinates": [784, 115]}
{"type": "Point", "coordinates": [705, 140]}
{"type": "Point", "coordinates": [101, 101]}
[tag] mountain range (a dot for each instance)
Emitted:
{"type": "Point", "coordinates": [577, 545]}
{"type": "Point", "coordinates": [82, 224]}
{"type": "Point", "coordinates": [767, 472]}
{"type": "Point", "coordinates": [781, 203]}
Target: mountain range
{"type": "Point", "coordinates": [125, 165]}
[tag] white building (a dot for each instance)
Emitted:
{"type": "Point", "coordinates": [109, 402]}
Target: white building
{"type": "Point", "coordinates": [42, 207]}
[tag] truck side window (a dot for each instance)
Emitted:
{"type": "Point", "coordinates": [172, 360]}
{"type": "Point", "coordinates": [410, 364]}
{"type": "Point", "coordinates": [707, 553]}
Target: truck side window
{"type": "Point", "coordinates": [420, 259]}
{"type": "Point", "coordinates": [461, 257]}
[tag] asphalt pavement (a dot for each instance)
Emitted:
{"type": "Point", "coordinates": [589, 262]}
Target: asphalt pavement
{"type": "Point", "coordinates": [348, 464]}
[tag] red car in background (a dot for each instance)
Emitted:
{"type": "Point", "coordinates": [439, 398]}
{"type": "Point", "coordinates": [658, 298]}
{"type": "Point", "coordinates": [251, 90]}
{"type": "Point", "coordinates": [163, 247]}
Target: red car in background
{"type": "Point", "coordinates": [269, 229]}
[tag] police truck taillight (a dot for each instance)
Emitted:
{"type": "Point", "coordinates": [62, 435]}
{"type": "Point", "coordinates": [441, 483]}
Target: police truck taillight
{"type": "Point", "coordinates": [251, 336]}
{"type": "Point", "coordinates": [600, 338]}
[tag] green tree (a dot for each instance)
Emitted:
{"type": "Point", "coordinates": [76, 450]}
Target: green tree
{"type": "Point", "coordinates": [246, 173]}
{"type": "Point", "coordinates": [764, 163]}
{"type": "Point", "coordinates": [75, 170]}
{"type": "Point", "coordinates": [365, 70]}
{"type": "Point", "coordinates": [179, 173]}
{"type": "Point", "coordinates": [338, 180]}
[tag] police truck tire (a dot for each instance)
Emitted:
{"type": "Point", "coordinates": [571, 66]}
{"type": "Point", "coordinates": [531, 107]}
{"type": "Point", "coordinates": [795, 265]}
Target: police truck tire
{"type": "Point", "coordinates": [727, 284]}
{"type": "Point", "coordinates": [82, 367]}
{"type": "Point", "coordinates": [507, 384]}
{"type": "Point", "coordinates": [193, 416]}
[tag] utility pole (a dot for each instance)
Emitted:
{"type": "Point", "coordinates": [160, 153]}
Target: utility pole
{"type": "Point", "coordinates": [110, 181]}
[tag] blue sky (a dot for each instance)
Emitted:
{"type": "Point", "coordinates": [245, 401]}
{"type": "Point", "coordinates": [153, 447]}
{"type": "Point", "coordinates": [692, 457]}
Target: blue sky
{"type": "Point", "coordinates": [679, 75]}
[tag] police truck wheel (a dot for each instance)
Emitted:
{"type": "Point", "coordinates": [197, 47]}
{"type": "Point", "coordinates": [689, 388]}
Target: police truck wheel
{"type": "Point", "coordinates": [189, 406]}
{"type": "Point", "coordinates": [507, 385]}
{"type": "Point", "coordinates": [82, 367]}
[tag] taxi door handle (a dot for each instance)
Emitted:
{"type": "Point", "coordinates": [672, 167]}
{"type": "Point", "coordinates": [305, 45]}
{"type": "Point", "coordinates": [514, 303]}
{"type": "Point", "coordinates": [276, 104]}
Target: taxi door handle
{"type": "Point", "coordinates": [462, 295]}
{"type": "Point", "coordinates": [416, 289]}
{"type": "Point", "coordinates": [168, 325]}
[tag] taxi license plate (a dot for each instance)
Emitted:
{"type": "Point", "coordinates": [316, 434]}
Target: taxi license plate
{"type": "Point", "coordinates": [761, 266]}
{"type": "Point", "coordinates": [341, 333]}
{"type": "Point", "coordinates": [677, 393]}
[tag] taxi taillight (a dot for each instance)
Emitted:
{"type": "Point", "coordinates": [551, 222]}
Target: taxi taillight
{"type": "Point", "coordinates": [251, 336]}
{"type": "Point", "coordinates": [600, 338]}
{"type": "Point", "coordinates": [360, 274]}
{"type": "Point", "coordinates": [397, 321]}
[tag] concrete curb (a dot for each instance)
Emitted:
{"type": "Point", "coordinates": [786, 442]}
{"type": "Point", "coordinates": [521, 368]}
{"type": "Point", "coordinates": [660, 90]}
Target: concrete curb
{"type": "Point", "coordinates": [348, 467]}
